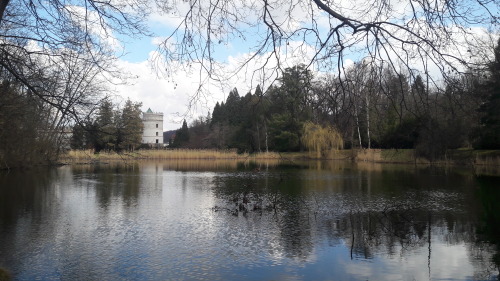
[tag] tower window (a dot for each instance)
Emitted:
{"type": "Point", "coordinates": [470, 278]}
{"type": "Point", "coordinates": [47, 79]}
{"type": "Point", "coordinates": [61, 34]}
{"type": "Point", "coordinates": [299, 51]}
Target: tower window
{"type": "Point", "coordinates": [156, 133]}
{"type": "Point", "coordinates": [156, 140]}
{"type": "Point", "coordinates": [156, 125]}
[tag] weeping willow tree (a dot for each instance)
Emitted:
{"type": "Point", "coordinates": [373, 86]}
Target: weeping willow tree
{"type": "Point", "coordinates": [321, 139]}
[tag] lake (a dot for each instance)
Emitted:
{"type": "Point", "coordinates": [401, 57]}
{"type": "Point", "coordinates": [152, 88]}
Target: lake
{"type": "Point", "coordinates": [228, 220]}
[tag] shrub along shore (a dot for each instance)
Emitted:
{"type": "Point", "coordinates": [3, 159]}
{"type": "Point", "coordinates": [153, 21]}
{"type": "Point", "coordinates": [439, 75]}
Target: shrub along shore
{"type": "Point", "coordinates": [402, 156]}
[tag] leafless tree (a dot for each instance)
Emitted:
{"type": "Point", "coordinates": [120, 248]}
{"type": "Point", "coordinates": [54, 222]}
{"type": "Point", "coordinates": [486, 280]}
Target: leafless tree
{"type": "Point", "coordinates": [57, 57]}
{"type": "Point", "coordinates": [429, 35]}
{"type": "Point", "coordinates": [46, 44]}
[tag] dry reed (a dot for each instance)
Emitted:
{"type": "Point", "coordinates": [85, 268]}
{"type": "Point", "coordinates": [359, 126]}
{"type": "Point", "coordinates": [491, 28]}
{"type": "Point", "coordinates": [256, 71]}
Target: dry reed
{"type": "Point", "coordinates": [90, 156]}
{"type": "Point", "coordinates": [486, 158]}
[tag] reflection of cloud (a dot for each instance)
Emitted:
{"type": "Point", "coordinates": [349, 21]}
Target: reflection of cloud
{"type": "Point", "coordinates": [172, 232]}
{"type": "Point", "coordinates": [447, 262]}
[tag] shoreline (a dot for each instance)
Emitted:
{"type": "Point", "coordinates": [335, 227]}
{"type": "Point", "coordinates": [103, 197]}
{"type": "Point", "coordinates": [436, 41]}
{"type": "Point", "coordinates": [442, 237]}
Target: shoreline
{"type": "Point", "coordinates": [461, 157]}
{"type": "Point", "coordinates": [479, 162]}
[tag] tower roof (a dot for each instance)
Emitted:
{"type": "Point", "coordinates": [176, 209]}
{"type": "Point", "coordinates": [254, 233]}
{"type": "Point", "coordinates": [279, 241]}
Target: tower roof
{"type": "Point", "coordinates": [149, 110]}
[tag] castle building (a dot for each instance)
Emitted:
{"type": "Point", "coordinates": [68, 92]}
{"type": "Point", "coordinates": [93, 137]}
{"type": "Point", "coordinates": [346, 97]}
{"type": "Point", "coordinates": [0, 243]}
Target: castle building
{"type": "Point", "coordinates": [153, 127]}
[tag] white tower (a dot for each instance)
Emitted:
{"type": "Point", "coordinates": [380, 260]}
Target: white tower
{"type": "Point", "coordinates": [153, 127]}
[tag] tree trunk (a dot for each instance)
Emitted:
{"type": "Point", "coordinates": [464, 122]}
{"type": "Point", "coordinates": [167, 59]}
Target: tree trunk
{"type": "Point", "coordinates": [357, 125]}
{"type": "Point", "coordinates": [368, 120]}
{"type": "Point", "coordinates": [3, 5]}
{"type": "Point", "coordinates": [258, 137]}
{"type": "Point", "coordinates": [265, 129]}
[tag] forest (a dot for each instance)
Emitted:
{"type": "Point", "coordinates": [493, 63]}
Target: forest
{"type": "Point", "coordinates": [370, 106]}
{"type": "Point", "coordinates": [60, 62]}
{"type": "Point", "coordinates": [110, 128]}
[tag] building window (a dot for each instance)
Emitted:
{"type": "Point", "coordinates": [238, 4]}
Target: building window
{"type": "Point", "coordinates": [156, 125]}
{"type": "Point", "coordinates": [156, 140]}
{"type": "Point", "coordinates": [156, 133]}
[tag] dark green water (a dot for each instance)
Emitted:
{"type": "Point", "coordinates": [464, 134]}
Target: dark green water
{"type": "Point", "coordinates": [229, 221]}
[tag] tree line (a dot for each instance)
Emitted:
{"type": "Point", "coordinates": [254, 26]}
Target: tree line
{"type": "Point", "coordinates": [34, 120]}
{"type": "Point", "coordinates": [111, 129]}
{"type": "Point", "coordinates": [369, 106]}
{"type": "Point", "coordinates": [57, 58]}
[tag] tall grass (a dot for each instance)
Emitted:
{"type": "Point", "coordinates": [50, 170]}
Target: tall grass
{"type": "Point", "coordinates": [90, 156]}
{"type": "Point", "coordinates": [475, 158]}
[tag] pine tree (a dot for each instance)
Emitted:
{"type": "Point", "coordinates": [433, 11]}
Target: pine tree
{"type": "Point", "coordinates": [77, 140]}
{"type": "Point", "coordinates": [490, 122]}
{"type": "Point", "coordinates": [216, 115]}
{"type": "Point", "coordinates": [105, 127]}
{"type": "Point", "coordinates": [181, 136]}
{"type": "Point", "coordinates": [131, 126]}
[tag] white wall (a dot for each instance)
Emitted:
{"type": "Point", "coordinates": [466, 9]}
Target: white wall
{"type": "Point", "coordinates": [153, 127]}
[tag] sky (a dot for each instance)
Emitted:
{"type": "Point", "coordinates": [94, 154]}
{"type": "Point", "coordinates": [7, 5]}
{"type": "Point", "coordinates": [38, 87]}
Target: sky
{"type": "Point", "coordinates": [172, 94]}
{"type": "Point", "coordinates": [152, 89]}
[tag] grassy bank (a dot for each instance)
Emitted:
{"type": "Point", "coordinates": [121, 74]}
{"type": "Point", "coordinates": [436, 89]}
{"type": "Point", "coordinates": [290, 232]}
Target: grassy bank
{"type": "Point", "coordinates": [407, 156]}
{"type": "Point", "coordinates": [88, 156]}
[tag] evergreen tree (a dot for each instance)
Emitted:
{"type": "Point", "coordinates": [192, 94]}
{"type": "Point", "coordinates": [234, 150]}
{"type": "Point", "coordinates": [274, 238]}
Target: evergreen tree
{"type": "Point", "coordinates": [104, 129]}
{"type": "Point", "coordinates": [78, 137]}
{"type": "Point", "coordinates": [233, 107]}
{"type": "Point", "coordinates": [284, 132]}
{"type": "Point", "coordinates": [294, 92]}
{"type": "Point", "coordinates": [216, 115]}
{"type": "Point", "coordinates": [181, 136]}
{"type": "Point", "coordinates": [490, 121]}
{"type": "Point", "coordinates": [243, 125]}
{"type": "Point", "coordinates": [131, 126]}
{"type": "Point", "coordinates": [289, 108]}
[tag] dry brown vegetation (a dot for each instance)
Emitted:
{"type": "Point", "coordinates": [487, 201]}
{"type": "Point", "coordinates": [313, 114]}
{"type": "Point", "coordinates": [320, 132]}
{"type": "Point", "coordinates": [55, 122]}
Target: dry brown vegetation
{"type": "Point", "coordinates": [461, 157]}
{"type": "Point", "coordinates": [89, 155]}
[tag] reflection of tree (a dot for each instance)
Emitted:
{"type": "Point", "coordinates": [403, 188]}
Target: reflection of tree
{"type": "Point", "coordinates": [489, 194]}
{"type": "Point", "coordinates": [394, 212]}
{"type": "Point", "coordinates": [29, 201]}
{"type": "Point", "coordinates": [395, 226]}
{"type": "Point", "coordinates": [221, 165]}
{"type": "Point", "coordinates": [273, 195]}
{"type": "Point", "coordinates": [120, 181]}
{"type": "Point", "coordinates": [295, 226]}
{"type": "Point", "coordinates": [23, 192]}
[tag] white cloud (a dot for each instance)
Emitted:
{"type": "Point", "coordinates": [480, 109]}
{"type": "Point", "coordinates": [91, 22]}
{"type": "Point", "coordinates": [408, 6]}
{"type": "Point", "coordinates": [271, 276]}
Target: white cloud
{"type": "Point", "coordinates": [176, 94]}
{"type": "Point", "coordinates": [172, 94]}
{"type": "Point", "coordinates": [91, 21]}
{"type": "Point", "coordinates": [158, 40]}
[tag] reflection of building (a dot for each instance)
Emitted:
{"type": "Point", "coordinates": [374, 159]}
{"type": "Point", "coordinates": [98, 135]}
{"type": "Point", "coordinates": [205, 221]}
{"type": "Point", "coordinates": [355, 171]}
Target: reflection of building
{"type": "Point", "coordinates": [153, 127]}
{"type": "Point", "coordinates": [152, 177]}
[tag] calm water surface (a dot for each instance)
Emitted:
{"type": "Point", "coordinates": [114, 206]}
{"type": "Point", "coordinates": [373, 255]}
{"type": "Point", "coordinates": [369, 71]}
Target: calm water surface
{"type": "Point", "coordinates": [239, 221]}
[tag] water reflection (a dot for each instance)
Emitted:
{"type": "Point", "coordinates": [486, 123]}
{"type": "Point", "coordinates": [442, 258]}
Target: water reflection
{"type": "Point", "coordinates": [489, 230]}
{"type": "Point", "coordinates": [250, 221]}
{"type": "Point", "coordinates": [372, 212]}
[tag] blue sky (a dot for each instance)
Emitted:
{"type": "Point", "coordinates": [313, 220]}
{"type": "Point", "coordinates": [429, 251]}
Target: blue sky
{"type": "Point", "coordinates": [171, 94]}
